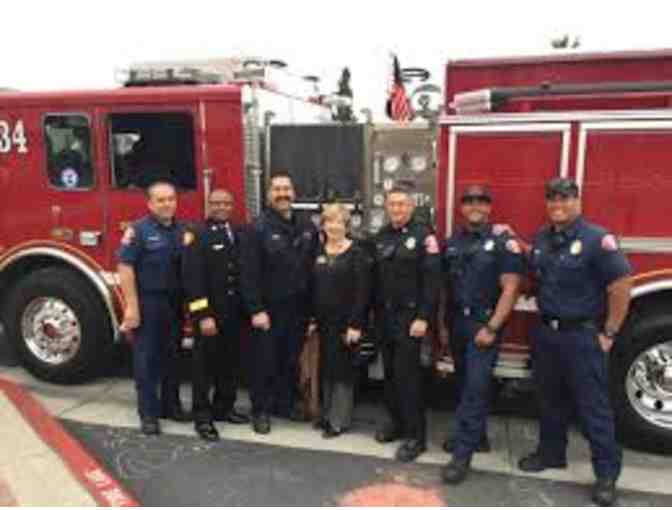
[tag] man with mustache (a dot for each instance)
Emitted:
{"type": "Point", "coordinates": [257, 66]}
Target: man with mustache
{"type": "Point", "coordinates": [277, 253]}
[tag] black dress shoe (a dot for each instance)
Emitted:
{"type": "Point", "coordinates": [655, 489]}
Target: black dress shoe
{"type": "Point", "coordinates": [331, 432]}
{"type": "Point", "coordinates": [455, 471]}
{"type": "Point", "coordinates": [176, 413]}
{"type": "Point", "coordinates": [410, 450]}
{"type": "Point", "coordinates": [388, 433]}
{"type": "Point", "coordinates": [533, 463]}
{"type": "Point", "coordinates": [483, 447]}
{"type": "Point", "coordinates": [150, 426]}
{"type": "Point", "coordinates": [207, 431]}
{"type": "Point", "coordinates": [604, 492]}
{"type": "Point", "coordinates": [261, 423]}
{"type": "Point", "coordinates": [236, 418]}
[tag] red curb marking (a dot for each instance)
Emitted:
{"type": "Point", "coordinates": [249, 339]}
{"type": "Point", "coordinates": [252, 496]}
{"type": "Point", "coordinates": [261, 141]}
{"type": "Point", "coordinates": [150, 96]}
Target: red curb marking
{"type": "Point", "coordinates": [6, 496]}
{"type": "Point", "coordinates": [104, 489]}
{"type": "Point", "coordinates": [391, 494]}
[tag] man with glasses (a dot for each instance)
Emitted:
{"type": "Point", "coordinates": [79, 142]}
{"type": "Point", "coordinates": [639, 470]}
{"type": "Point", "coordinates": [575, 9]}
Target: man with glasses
{"type": "Point", "coordinates": [583, 295]}
{"type": "Point", "coordinates": [483, 271]}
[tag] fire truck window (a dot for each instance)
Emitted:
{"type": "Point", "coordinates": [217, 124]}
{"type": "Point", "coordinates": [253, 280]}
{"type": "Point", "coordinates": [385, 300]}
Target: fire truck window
{"type": "Point", "coordinates": [68, 142]}
{"type": "Point", "coordinates": [147, 147]}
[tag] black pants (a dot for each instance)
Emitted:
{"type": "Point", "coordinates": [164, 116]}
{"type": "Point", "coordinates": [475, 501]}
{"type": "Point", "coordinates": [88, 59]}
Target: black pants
{"type": "Point", "coordinates": [275, 357]}
{"type": "Point", "coordinates": [404, 392]}
{"type": "Point", "coordinates": [216, 364]}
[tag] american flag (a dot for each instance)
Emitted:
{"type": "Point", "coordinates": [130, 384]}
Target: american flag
{"type": "Point", "coordinates": [398, 106]}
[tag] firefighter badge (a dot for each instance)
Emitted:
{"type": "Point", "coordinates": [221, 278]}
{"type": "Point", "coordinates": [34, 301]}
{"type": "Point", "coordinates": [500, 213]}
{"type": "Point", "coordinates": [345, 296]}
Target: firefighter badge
{"type": "Point", "coordinates": [489, 245]}
{"type": "Point", "coordinates": [576, 248]}
{"type": "Point", "coordinates": [187, 238]}
{"type": "Point", "coordinates": [410, 243]}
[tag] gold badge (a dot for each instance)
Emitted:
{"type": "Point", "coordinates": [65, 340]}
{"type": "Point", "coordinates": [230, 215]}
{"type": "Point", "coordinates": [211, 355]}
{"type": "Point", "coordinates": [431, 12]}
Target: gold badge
{"type": "Point", "coordinates": [410, 243]}
{"type": "Point", "coordinates": [576, 248]}
{"type": "Point", "coordinates": [489, 245]}
{"type": "Point", "coordinates": [321, 259]}
{"type": "Point", "coordinates": [187, 238]}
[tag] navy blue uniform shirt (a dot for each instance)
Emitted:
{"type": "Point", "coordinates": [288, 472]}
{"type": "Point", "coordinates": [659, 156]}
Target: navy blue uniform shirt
{"type": "Point", "coordinates": [277, 257]}
{"type": "Point", "coordinates": [474, 261]}
{"type": "Point", "coordinates": [153, 250]}
{"type": "Point", "coordinates": [574, 267]}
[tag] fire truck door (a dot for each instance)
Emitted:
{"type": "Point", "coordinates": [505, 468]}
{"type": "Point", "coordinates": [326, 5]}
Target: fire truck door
{"type": "Point", "coordinates": [144, 145]}
{"type": "Point", "coordinates": [71, 206]}
{"type": "Point", "coordinates": [514, 161]}
{"type": "Point", "coordinates": [624, 172]}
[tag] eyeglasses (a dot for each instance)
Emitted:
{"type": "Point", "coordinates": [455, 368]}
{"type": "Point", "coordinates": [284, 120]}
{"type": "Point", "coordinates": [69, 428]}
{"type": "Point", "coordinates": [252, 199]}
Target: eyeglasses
{"type": "Point", "coordinates": [476, 199]}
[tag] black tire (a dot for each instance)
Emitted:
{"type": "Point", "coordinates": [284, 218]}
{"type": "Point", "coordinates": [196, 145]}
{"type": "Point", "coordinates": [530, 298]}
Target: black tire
{"type": "Point", "coordinates": [96, 331]}
{"type": "Point", "coordinates": [633, 429]}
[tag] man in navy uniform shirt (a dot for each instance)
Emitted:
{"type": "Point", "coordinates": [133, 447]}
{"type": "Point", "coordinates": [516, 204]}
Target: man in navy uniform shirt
{"type": "Point", "coordinates": [483, 272]}
{"type": "Point", "coordinates": [583, 294]}
{"type": "Point", "coordinates": [277, 254]}
{"type": "Point", "coordinates": [148, 270]}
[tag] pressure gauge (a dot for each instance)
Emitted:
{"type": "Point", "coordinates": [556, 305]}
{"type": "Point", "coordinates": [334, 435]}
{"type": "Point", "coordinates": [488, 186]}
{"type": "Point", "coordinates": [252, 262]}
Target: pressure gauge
{"type": "Point", "coordinates": [391, 164]}
{"type": "Point", "coordinates": [418, 163]}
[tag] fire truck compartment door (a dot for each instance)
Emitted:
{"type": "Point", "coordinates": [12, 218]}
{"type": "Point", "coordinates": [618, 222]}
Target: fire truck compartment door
{"type": "Point", "coordinates": [514, 161]}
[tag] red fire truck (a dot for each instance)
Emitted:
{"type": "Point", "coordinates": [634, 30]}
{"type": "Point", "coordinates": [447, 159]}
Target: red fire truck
{"type": "Point", "coordinates": [604, 119]}
{"type": "Point", "coordinates": [72, 168]}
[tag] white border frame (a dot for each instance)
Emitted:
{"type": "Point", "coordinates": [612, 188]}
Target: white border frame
{"type": "Point", "coordinates": [564, 129]}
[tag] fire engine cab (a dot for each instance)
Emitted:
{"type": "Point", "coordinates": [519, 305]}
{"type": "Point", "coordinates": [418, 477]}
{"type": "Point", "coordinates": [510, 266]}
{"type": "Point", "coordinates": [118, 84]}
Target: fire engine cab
{"type": "Point", "coordinates": [605, 120]}
{"type": "Point", "coordinates": [72, 170]}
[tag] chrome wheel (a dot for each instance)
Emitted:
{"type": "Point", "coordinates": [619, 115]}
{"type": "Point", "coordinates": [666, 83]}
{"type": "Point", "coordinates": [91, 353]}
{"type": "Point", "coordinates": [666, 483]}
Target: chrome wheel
{"type": "Point", "coordinates": [51, 330]}
{"type": "Point", "coordinates": [649, 385]}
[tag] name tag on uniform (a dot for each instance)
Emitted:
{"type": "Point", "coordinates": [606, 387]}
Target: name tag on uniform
{"type": "Point", "coordinates": [154, 238]}
{"type": "Point", "coordinates": [217, 246]}
{"type": "Point", "coordinates": [321, 259]}
{"type": "Point", "coordinates": [275, 237]}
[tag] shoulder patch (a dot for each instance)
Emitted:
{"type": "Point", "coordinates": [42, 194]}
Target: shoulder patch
{"type": "Point", "coordinates": [128, 237]}
{"type": "Point", "coordinates": [609, 243]}
{"type": "Point", "coordinates": [187, 238]}
{"type": "Point", "coordinates": [513, 246]}
{"type": "Point", "coordinates": [431, 244]}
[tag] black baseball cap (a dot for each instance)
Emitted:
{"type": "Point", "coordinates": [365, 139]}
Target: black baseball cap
{"type": "Point", "coordinates": [563, 187]}
{"type": "Point", "coordinates": [477, 191]}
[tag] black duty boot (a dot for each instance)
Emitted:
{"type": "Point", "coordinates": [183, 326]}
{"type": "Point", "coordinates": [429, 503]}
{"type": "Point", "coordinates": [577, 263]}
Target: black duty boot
{"type": "Point", "coordinates": [261, 423]}
{"type": "Point", "coordinates": [533, 463]}
{"type": "Point", "coordinates": [207, 431]}
{"type": "Point", "coordinates": [150, 426]}
{"type": "Point", "coordinates": [410, 450]}
{"type": "Point", "coordinates": [604, 492]}
{"type": "Point", "coordinates": [456, 470]}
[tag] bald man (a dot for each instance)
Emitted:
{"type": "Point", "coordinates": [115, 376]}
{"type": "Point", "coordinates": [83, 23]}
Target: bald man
{"type": "Point", "coordinates": [210, 274]}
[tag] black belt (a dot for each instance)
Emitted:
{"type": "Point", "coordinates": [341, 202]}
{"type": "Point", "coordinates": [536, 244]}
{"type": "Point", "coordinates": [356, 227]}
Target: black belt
{"type": "Point", "coordinates": [568, 324]}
